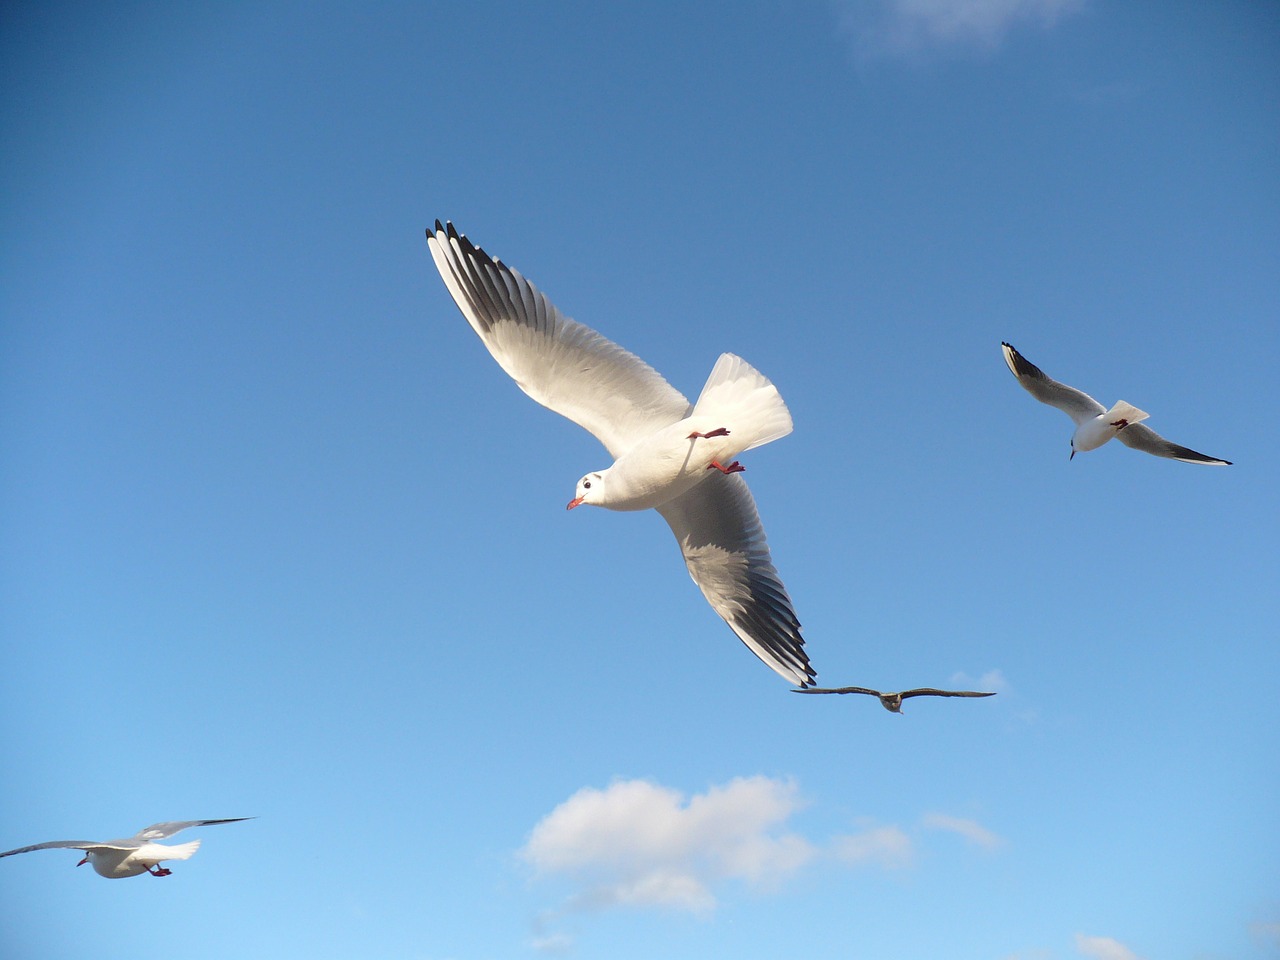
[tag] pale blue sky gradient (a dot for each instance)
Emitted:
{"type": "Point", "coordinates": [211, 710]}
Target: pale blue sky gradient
{"type": "Point", "coordinates": [279, 539]}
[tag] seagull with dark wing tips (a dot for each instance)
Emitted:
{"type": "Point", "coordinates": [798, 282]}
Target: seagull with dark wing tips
{"type": "Point", "coordinates": [134, 855]}
{"type": "Point", "coordinates": [1095, 424]}
{"type": "Point", "coordinates": [893, 701]}
{"type": "Point", "coordinates": [669, 455]}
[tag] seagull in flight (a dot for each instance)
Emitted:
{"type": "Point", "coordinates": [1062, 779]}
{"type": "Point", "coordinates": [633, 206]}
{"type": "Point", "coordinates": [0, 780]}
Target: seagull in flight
{"type": "Point", "coordinates": [134, 855]}
{"type": "Point", "coordinates": [669, 455]}
{"type": "Point", "coordinates": [1095, 424]}
{"type": "Point", "coordinates": [893, 701]}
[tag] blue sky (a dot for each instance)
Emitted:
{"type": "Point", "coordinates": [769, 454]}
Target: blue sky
{"type": "Point", "coordinates": [279, 539]}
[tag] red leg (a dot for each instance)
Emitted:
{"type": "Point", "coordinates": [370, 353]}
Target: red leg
{"type": "Point", "coordinates": [1119, 424]}
{"type": "Point", "coordinates": [158, 871]}
{"type": "Point", "coordinates": [717, 432]}
{"type": "Point", "coordinates": [734, 467]}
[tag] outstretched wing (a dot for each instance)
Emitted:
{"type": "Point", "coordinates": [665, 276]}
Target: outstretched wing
{"type": "Point", "coordinates": [934, 692]}
{"type": "Point", "coordinates": [158, 831]}
{"type": "Point", "coordinates": [1077, 404]}
{"type": "Point", "coordinates": [917, 692]}
{"type": "Point", "coordinates": [866, 690]}
{"type": "Point", "coordinates": [565, 366]}
{"type": "Point", "coordinates": [1141, 437]}
{"type": "Point", "coordinates": [724, 547]}
{"type": "Point", "coordinates": [74, 845]}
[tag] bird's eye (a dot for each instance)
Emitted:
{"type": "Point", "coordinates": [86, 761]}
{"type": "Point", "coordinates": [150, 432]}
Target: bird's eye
{"type": "Point", "coordinates": [586, 484]}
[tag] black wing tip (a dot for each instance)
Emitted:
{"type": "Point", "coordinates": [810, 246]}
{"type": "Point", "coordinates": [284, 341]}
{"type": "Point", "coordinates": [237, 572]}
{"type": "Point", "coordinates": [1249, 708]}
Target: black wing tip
{"type": "Point", "coordinates": [1020, 365]}
{"type": "Point", "coordinates": [469, 250]}
{"type": "Point", "coordinates": [1187, 455]}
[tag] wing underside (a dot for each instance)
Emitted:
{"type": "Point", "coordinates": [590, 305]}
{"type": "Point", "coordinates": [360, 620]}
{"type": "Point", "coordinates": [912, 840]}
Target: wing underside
{"type": "Point", "coordinates": [563, 365]}
{"type": "Point", "coordinates": [724, 547]}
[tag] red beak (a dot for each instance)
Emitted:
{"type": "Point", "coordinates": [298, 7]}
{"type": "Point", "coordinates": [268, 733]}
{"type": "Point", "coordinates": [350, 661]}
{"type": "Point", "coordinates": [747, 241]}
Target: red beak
{"type": "Point", "coordinates": [83, 862]}
{"type": "Point", "coordinates": [574, 502]}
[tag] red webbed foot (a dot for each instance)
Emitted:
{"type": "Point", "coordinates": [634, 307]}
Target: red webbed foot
{"type": "Point", "coordinates": [717, 432]}
{"type": "Point", "coordinates": [734, 467]}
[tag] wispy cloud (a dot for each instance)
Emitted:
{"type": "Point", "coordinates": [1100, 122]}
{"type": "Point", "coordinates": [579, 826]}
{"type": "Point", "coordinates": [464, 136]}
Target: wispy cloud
{"type": "Point", "coordinates": [969, 829]}
{"type": "Point", "coordinates": [1265, 931]}
{"type": "Point", "coordinates": [1103, 948]}
{"type": "Point", "coordinates": [886, 846]}
{"type": "Point", "coordinates": [991, 680]}
{"type": "Point", "coordinates": [905, 27]}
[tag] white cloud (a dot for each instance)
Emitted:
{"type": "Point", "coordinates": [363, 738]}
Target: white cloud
{"type": "Point", "coordinates": [554, 944]}
{"type": "Point", "coordinates": [637, 843]}
{"type": "Point", "coordinates": [885, 846]}
{"type": "Point", "coordinates": [969, 829]}
{"type": "Point", "coordinates": [991, 680]}
{"type": "Point", "coordinates": [1104, 948]}
{"type": "Point", "coordinates": [909, 26]}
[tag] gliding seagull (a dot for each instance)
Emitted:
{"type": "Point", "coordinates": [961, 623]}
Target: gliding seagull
{"type": "Point", "coordinates": [893, 701]}
{"type": "Point", "coordinates": [1095, 424]}
{"type": "Point", "coordinates": [134, 855]}
{"type": "Point", "coordinates": [673, 456]}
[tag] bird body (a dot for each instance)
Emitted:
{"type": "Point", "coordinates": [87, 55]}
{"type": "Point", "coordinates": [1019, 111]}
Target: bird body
{"type": "Point", "coordinates": [1095, 424]}
{"type": "Point", "coordinates": [131, 856]}
{"type": "Point", "coordinates": [115, 863]}
{"type": "Point", "coordinates": [669, 455]}
{"type": "Point", "coordinates": [1093, 432]}
{"type": "Point", "coordinates": [739, 409]}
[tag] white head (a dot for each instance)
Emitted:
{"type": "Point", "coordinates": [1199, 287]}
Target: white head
{"type": "Point", "coordinates": [590, 490]}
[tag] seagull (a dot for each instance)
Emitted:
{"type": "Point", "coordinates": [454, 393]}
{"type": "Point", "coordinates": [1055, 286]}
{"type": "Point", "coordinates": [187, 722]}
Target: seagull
{"type": "Point", "coordinates": [893, 701]}
{"type": "Point", "coordinates": [1095, 424]}
{"type": "Point", "coordinates": [134, 855]}
{"type": "Point", "coordinates": [669, 455]}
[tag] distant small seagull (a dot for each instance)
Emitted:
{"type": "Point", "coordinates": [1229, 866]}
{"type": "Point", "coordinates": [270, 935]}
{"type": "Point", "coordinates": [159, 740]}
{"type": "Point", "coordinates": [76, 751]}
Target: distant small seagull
{"type": "Point", "coordinates": [1095, 424]}
{"type": "Point", "coordinates": [893, 701]}
{"type": "Point", "coordinates": [669, 455]}
{"type": "Point", "coordinates": [138, 854]}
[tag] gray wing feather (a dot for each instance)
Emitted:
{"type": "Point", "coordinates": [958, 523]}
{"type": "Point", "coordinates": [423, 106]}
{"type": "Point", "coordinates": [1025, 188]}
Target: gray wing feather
{"type": "Point", "coordinates": [866, 690]}
{"type": "Point", "coordinates": [158, 831]}
{"type": "Point", "coordinates": [934, 692]}
{"type": "Point", "coordinates": [1077, 404]}
{"type": "Point", "coordinates": [563, 365]}
{"type": "Point", "coordinates": [75, 845]}
{"type": "Point", "coordinates": [1141, 437]}
{"type": "Point", "coordinates": [724, 547]}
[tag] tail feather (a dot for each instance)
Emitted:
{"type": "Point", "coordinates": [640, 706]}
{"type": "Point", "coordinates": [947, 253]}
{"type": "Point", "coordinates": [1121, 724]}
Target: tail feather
{"type": "Point", "coordinates": [182, 851]}
{"type": "Point", "coordinates": [741, 395]}
{"type": "Point", "coordinates": [1123, 410]}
